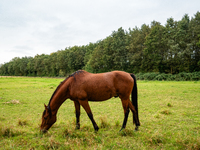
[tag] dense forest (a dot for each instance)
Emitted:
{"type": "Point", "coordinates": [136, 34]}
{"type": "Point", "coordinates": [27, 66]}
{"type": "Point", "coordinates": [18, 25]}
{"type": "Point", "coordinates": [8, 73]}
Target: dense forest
{"type": "Point", "coordinates": [169, 49]}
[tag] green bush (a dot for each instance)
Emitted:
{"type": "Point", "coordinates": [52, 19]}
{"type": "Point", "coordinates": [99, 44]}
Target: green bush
{"type": "Point", "coordinates": [183, 76]}
{"type": "Point", "coordinates": [139, 76]}
{"type": "Point", "coordinates": [195, 76]}
{"type": "Point", "coordinates": [161, 77]}
{"type": "Point", "coordinates": [150, 76]}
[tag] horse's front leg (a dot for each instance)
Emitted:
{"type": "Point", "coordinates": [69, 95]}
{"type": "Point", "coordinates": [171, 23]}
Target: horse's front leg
{"type": "Point", "coordinates": [77, 107]}
{"type": "Point", "coordinates": [85, 105]}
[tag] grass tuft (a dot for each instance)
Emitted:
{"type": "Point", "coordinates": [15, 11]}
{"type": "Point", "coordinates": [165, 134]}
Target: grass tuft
{"type": "Point", "coordinates": [8, 132]}
{"type": "Point", "coordinates": [51, 144]}
{"type": "Point", "coordinates": [169, 105]}
{"type": "Point", "coordinates": [12, 102]}
{"type": "Point", "coordinates": [165, 112]}
{"type": "Point", "coordinates": [104, 122]}
{"type": "Point", "coordinates": [157, 140]}
{"type": "Point", "coordinates": [157, 116]}
{"type": "Point", "coordinates": [98, 139]}
{"type": "Point", "coordinates": [22, 122]}
{"type": "Point", "coordinates": [66, 133]}
{"type": "Point", "coordinates": [126, 132]}
{"type": "Point", "coordinates": [117, 123]}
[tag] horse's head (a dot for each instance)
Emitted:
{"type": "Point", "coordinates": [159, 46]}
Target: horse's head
{"type": "Point", "coordinates": [47, 119]}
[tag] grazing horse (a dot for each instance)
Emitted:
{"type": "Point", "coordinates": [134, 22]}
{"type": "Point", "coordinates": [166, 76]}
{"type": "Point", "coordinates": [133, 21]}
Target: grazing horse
{"type": "Point", "coordinates": [83, 86]}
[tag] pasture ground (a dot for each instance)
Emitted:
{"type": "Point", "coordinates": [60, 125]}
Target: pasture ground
{"type": "Point", "coordinates": [169, 114]}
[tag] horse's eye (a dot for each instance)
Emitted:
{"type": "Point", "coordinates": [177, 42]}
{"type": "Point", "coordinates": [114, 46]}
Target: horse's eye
{"type": "Point", "coordinates": [45, 118]}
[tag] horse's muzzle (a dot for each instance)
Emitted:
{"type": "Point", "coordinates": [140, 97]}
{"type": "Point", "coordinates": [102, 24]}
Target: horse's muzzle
{"type": "Point", "coordinates": [43, 130]}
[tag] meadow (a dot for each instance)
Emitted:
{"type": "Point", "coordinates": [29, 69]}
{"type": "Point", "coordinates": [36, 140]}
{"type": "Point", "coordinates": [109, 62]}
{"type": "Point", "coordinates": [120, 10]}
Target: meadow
{"type": "Point", "coordinates": [169, 113]}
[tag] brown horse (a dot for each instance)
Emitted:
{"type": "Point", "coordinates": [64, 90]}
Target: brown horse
{"type": "Point", "coordinates": [83, 86]}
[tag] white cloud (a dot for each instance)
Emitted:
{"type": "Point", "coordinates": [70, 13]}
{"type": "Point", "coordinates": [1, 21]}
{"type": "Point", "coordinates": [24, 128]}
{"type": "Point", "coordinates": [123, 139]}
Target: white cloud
{"type": "Point", "coordinates": [35, 27]}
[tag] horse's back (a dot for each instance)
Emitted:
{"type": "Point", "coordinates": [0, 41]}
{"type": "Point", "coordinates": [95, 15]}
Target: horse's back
{"type": "Point", "coordinates": [102, 86]}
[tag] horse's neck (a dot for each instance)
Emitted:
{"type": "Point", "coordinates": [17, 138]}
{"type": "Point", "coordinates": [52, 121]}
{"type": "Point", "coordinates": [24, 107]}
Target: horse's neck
{"type": "Point", "coordinates": [59, 97]}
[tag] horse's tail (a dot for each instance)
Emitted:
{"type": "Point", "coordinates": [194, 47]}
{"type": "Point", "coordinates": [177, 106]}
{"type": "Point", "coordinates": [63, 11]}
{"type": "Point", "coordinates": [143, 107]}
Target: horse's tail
{"type": "Point", "coordinates": [134, 98]}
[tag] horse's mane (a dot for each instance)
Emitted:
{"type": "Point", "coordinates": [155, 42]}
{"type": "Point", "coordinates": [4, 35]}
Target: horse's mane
{"type": "Point", "coordinates": [72, 75]}
{"type": "Point", "coordinates": [76, 73]}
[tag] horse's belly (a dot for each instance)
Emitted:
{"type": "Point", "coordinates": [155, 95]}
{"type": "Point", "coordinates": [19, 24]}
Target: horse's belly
{"type": "Point", "coordinates": [101, 95]}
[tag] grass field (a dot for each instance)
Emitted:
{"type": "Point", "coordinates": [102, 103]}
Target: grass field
{"type": "Point", "coordinates": [169, 114]}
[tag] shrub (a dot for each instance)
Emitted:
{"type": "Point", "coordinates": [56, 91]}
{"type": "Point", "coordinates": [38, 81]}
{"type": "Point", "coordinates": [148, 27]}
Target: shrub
{"type": "Point", "coordinates": [161, 77]}
{"type": "Point", "coordinates": [195, 76]}
{"type": "Point", "coordinates": [139, 76]}
{"type": "Point", "coordinates": [170, 77]}
{"type": "Point", "coordinates": [150, 76]}
{"type": "Point", "coordinates": [183, 76]}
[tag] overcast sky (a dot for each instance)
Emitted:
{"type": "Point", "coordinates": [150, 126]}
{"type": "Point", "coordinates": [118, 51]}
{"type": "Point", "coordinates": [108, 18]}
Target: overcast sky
{"type": "Point", "coordinates": [30, 27]}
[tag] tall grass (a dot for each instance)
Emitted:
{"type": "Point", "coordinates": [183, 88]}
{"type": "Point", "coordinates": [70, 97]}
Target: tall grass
{"type": "Point", "coordinates": [169, 112]}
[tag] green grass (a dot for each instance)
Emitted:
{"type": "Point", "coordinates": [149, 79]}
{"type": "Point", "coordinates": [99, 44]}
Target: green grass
{"type": "Point", "coordinates": [169, 113]}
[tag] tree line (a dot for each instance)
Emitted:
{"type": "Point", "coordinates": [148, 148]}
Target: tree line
{"type": "Point", "coordinates": [170, 48]}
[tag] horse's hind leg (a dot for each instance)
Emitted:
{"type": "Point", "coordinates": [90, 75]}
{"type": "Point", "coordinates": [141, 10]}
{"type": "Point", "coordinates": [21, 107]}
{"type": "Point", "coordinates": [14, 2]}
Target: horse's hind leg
{"type": "Point", "coordinates": [85, 105]}
{"type": "Point", "coordinates": [135, 116]}
{"type": "Point", "coordinates": [126, 113]}
{"type": "Point", "coordinates": [77, 107]}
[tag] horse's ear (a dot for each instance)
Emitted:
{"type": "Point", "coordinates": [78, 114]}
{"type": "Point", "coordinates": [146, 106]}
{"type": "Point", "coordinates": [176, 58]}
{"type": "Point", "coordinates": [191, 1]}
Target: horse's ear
{"type": "Point", "coordinates": [46, 107]}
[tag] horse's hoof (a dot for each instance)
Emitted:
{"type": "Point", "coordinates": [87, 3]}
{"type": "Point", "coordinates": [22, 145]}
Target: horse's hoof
{"type": "Point", "coordinates": [136, 128]}
{"type": "Point", "coordinates": [121, 129]}
{"type": "Point", "coordinates": [96, 129]}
